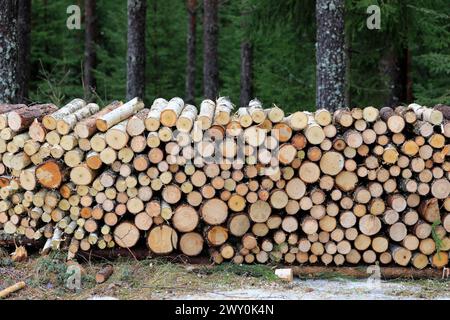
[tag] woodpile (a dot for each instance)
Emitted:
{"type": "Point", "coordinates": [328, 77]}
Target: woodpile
{"type": "Point", "coordinates": [247, 185]}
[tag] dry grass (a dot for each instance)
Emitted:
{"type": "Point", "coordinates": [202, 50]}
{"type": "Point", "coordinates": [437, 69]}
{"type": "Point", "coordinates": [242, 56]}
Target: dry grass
{"type": "Point", "coordinates": [147, 279]}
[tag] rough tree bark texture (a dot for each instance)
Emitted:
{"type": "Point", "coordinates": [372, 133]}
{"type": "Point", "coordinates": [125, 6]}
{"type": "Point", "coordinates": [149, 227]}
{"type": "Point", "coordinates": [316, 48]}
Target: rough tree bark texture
{"type": "Point", "coordinates": [155, 48]}
{"type": "Point", "coordinates": [9, 50]}
{"type": "Point", "coordinates": [330, 54]}
{"type": "Point", "coordinates": [246, 73]}
{"type": "Point", "coordinates": [90, 39]}
{"type": "Point", "coordinates": [24, 44]}
{"type": "Point", "coordinates": [390, 69]}
{"type": "Point", "coordinates": [136, 48]}
{"type": "Point", "coordinates": [394, 68]}
{"type": "Point", "coordinates": [348, 67]}
{"type": "Point", "coordinates": [210, 42]}
{"type": "Point", "coordinates": [408, 76]}
{"type": "Point", "coordinates": [191, 47]}
{"type": "Point", "coordinates": [246, 59]}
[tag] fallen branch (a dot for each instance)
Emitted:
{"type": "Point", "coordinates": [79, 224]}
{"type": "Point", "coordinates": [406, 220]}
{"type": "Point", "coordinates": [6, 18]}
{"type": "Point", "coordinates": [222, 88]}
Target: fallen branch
{"type": "Point", "coordinates": [6, 292]}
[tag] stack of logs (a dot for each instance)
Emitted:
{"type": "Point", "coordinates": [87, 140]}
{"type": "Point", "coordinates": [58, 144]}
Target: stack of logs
{"type": "Point", "coordinates": [358, 186]}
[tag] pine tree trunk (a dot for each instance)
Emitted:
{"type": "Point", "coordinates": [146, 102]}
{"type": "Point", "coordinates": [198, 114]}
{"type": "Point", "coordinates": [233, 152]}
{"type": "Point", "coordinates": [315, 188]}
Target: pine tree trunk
{"type": "Point", "coordinates": [155, 49]}
{"type": "Point", "coordinates": [392, 70]}
{"type": "Point", "coordinates": [408, 77]}
{"type": "Point", "coordinates": [136, 48]}
{"type": "Point", "coordinates": [24, 44]}
{"type": "Point", "coordinates": [246, 73]}
{"type": "Point", "coordinates": [330, 55]}
{"type": "Point", "coordinates": [191, 47]}
{"type": "Point", "coordinates": [46, 19]}
{"type": "Point", "coordinates": [395, 66]}
{"type": "Point", "coordinates": [9, 44]}
{"type": "Point", "coordinates": [90, 56]}
{"type": "Point", "coordinates": [246, 57]}
{"type": "Point", "coordinates": [348, 63]}
{"type": "Point", "coordinates": [210, 56]}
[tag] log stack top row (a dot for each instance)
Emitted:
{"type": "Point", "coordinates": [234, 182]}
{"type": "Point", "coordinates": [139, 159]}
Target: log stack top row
{"type": "Point", "coordinates": [249, 184]}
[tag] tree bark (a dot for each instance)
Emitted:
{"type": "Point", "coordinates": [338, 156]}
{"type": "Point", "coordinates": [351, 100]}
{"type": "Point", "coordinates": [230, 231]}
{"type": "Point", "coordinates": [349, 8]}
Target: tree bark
{"type": "Point", "coordinates": [90, 56]}
{"type": "Point", "coordinates": [9, 83]}
{"type": "Point", "coordinates": [395, 69]}
{"type": "Point", "coordinates": [395, 66]}
{"type": "Point", "coordinates": [390, 70]}
{"type": "Point", "coordinates": [246, 73]}
{"type": "Point", "coordinates": [330, 54]}
{"type": "Point", "coordinates": [191, 47]}
{"type": "Point", "coordinates": [24, 45]}
{"type": "Point", "coordinates": [348, 68]}
{"type": "Point", "coordinates": [155, 57]}
{"type": "Point", "coordinates": [246, 59]}
{"type": "Point", "coordinates": [210, 55]}
{"type": "Point", "coordinates": [136, 48]}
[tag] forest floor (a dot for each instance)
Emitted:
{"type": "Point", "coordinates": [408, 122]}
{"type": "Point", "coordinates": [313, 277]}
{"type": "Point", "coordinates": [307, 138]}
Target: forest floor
{"type": "Point", "coordinates": [46, 278]}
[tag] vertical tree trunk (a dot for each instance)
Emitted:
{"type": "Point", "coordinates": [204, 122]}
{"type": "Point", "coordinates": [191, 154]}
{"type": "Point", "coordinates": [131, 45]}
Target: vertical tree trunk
{"type": "Point", "coordinates": [191, 47]}
{"type": "Point", "coordinates": [90, 56]}
{"type": "Point", "coordinates": [246, 58]}
{"type": "Point", "coordinates": [395, 65]}
{"type": "Point", "coordinates": [406, 58]}
{"type": "Point", "coordinates": [210, 42]}
{"type": "Point", "coordinates": [24, 44]}
{"type": "Point", "coordinates": [408, 77]}
{"type": "Point", "coordinates": [348, 62]}
{"type": "Point", "coordinates": [137, 10]}
{"type": "Point", "coordinates": [46, 19]}
{"type": "Point", "coordinates": [9, 45]}
{"type": "Point", "coordinates": [155, 37]}
{"type": "Point", "coordinates": [390, 68]}
{"type": "Point", "coordinates": [246, 73]}
{"type": "Point", "coordinates": [330, 54]}
{"type": "Point", "coordinates": [395, 70]}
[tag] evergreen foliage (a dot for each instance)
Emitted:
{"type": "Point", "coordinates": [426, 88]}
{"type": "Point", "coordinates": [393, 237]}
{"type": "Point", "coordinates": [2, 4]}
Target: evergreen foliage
{"type": "Point", "coordinates": [283, 36]}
